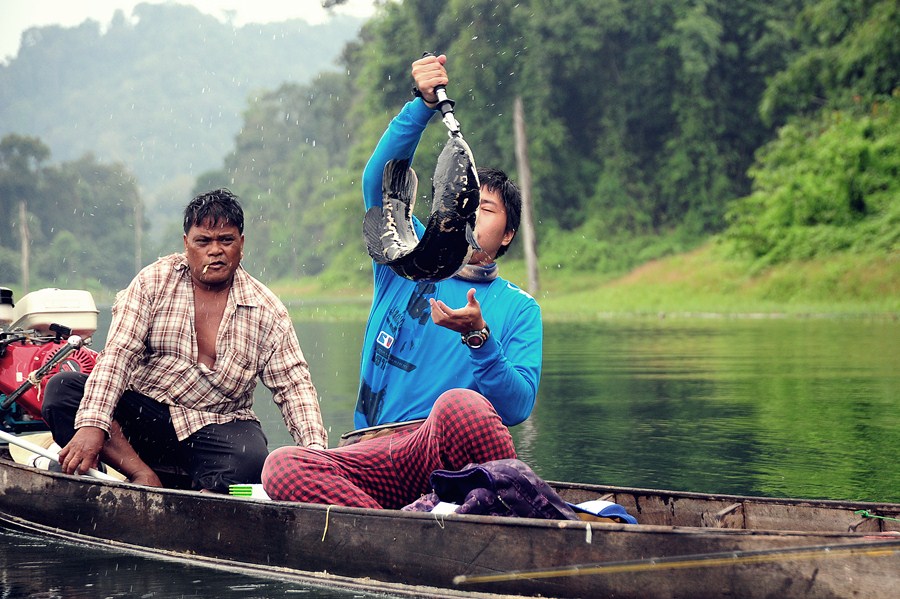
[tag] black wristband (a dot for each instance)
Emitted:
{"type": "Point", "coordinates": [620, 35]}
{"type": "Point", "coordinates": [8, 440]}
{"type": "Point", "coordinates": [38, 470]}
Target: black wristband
{"type": "Point", "coordinates": [416, 93]}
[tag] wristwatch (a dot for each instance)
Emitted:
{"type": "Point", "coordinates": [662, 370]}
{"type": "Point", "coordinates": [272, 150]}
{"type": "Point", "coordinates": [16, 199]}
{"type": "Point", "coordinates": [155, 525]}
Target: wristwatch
{"type": "Point", "coordinates": [475, 339]}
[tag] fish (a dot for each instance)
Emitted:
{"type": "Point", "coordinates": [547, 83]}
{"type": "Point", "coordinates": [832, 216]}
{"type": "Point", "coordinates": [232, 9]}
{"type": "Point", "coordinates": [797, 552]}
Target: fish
{"type": "Point", "coordinates": [449, 238]}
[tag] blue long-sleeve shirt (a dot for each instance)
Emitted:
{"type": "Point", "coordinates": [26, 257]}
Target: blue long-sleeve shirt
{"type": "Point", "coordinates": [407, 360]}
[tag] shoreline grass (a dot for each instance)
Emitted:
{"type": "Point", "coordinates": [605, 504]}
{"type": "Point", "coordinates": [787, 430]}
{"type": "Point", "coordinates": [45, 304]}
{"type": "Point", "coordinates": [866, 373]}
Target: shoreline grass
{"type": "Point", "coordinates": [704, 283]}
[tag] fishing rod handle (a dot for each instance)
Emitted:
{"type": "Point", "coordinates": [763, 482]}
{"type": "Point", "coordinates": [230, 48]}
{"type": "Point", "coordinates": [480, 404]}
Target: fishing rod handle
{"type": "Point", "coordinates": [444, 101]}
{"type": "Point", "coordinates": [445, 105]}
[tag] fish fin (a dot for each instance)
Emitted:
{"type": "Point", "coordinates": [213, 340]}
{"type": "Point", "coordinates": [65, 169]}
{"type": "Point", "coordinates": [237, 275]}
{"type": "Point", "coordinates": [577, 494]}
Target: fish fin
{"type": "Point", "coordinates": [399, 181]}
{"type": "Point", "coordinates": [398, 235]}
{"type": "Point", "coordinates": [372, 230]}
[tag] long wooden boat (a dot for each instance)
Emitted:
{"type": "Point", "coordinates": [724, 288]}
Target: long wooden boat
{"type": "Point", "coordinates": [685, 544]}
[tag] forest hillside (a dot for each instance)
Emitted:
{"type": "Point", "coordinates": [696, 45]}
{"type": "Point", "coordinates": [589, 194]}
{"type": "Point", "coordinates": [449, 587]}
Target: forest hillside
{"type": "Point", "coordinates": [760, 136]}
{"type": "Point", "coordinates": [161, 91]}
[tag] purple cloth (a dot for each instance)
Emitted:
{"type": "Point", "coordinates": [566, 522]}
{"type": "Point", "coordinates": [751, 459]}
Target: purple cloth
{"type": "Point", "coordinates": [498, 488]}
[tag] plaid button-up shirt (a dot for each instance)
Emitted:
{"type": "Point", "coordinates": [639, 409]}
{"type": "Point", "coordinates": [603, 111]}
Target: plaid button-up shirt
{"type": "Point", "coordinates": [152, 349]}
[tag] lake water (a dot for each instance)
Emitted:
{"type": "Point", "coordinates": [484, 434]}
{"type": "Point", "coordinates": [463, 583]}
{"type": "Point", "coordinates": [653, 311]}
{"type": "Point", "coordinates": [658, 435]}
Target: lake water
{"type": "Point", "coordinates": [774, 407]}
{"type": "Point", "coordinates": [34, 567]}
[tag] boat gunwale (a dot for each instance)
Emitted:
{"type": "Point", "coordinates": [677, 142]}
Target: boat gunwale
{"type": "Point", "coordinates": [534, 523]}
{"type": "Point", "coordinates": [389, 542]}
{"type": "Point", "coordinates": [816, 502]}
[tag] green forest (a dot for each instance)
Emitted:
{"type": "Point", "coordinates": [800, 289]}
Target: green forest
{"type": "Point", "coordinates": [758, 139]}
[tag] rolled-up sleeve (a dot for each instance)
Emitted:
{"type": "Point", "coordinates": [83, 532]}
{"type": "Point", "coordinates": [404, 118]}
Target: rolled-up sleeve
{"type": "Point", "coordinates": [287, 375]}
{"type": "Point", "coordinates": [125, 345]}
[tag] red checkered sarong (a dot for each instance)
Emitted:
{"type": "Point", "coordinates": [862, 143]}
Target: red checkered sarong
{"type": "Point", "coordinates": [393, 471]}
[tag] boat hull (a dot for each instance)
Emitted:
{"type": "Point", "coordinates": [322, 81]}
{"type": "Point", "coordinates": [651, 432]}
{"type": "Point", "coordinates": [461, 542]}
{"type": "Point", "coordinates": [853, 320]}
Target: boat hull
{"type": "Point", "coordinates": [720, 556]}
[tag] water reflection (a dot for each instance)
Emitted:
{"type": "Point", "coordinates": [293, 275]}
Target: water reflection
{"type": "Point", "coordinates": [803, 408]}
{"type": "Point", "coordinates": [35, 567]}
{"type": "Point", "coordinates": [778, 408]}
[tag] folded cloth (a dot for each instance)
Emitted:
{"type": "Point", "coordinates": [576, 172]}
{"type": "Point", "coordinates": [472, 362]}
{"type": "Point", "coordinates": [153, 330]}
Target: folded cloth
{"type": "Point", "coordinates": [599, 508]}
{"type": "Point", "coordinates": [498, 488]}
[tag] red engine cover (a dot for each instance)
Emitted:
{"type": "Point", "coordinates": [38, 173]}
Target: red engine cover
{"type": "Point", "coordinates": [20, 360]}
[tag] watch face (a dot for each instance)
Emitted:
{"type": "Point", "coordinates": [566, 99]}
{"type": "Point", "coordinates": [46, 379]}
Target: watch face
{"type": "Point", "coordinates": [475, 340]}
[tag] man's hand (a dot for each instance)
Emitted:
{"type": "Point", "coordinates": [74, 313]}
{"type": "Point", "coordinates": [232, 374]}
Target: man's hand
{"type": "Point", "coordinates": [465, 319]}
{"type": "Point", "coordinates": [81, 452]}
{"type": "Point", "coordinates": [428, 73]}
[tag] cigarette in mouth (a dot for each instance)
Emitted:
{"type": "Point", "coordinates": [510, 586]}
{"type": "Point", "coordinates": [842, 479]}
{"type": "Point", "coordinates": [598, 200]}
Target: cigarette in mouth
{"type": "Point", "coordinates": [205, 268]}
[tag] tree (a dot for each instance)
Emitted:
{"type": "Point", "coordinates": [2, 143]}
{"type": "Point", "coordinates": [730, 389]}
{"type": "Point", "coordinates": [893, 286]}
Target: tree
{"type": "Point", "coordinates": [848, 50]}
{"type": "Point", "coordinates": [21, 158]}
{"type": "Point", "coordinates": [80, 216]}
{"type": "Point", "coordinates": [827, 184]}
{"type": "Point", "coordinates": [288, 161]}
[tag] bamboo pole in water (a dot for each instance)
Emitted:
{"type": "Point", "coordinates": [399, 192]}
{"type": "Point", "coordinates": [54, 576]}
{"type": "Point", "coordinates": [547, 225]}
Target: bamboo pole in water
{"type": "Point", "coordinates": [50, 455]}
{"type": "Point", "coordinates": [23, 229]}
{"type": "Point", "coordinates": [527, 224]}
{"type": "Point", "coordinates": [138, 234]}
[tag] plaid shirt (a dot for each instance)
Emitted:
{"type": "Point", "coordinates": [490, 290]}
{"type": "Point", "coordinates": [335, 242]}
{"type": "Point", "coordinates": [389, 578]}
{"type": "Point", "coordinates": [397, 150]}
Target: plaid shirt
{"type": "Point", "coordinates": [151, 348]}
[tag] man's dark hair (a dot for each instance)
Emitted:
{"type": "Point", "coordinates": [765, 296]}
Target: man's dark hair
{"type": "Point", "coordinates": [497, 181]}
{"type": "Point", "coordinates": [216, 207]}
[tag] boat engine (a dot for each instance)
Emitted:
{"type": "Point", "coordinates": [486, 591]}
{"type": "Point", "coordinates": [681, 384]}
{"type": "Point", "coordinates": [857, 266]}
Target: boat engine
{"type": "Point", "coordinates": [30, 356]}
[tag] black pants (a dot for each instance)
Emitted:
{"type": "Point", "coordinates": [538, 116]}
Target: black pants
{"type": "Point", "coordinates": [214, 457]}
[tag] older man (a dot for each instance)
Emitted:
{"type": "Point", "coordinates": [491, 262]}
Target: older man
{"type": "Point", "coordinates": [174, 385]}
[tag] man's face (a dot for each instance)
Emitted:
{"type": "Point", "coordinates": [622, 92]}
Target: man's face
{"type": "Point", "coordinates": [490, 227]}
{"type": "Point", "coordinates": [214, 252]}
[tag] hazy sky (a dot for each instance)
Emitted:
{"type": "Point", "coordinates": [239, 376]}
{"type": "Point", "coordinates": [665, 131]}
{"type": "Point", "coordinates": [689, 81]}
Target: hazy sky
{"type": "Point", "coordinates": [18, 15]}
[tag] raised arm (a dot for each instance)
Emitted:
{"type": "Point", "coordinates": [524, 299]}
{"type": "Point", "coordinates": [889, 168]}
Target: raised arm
{"type": "Point", "coordinates": [402, 136]}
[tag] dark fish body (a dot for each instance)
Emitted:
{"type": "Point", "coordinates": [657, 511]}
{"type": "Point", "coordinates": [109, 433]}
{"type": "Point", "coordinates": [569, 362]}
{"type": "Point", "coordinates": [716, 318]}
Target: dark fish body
{"type": "Point", "coordinates": [448, 241]}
